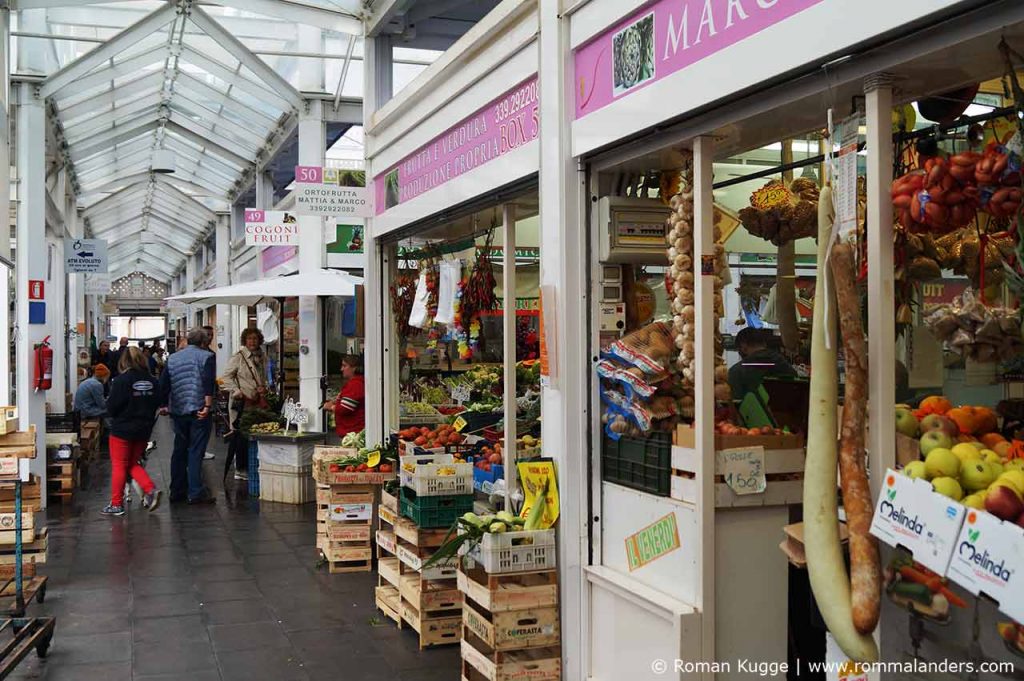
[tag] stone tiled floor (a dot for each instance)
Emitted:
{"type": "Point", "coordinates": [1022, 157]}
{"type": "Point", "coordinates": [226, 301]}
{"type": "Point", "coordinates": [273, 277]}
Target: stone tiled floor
{"type": "Point", "coordinates": [228, 592]}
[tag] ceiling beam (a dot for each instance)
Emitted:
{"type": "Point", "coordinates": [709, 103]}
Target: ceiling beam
{"type": "Point", "coordinates": [142, 107]}
{"type": "Point", "coordinates": [116, 18]}
{"type": "Point", "coordinates": [321, 17]}
{"type": "Point", "coordinates": [233, 78]}
{"type": "Point", "coordinates": [200, 127]}
{"type": "Point", "coordinates": [207, 143]}
{"type": "Point", "coordinates": [149, 24]}
{"type": "Point", "coordinates": [106, 100]}
{"type": "Point", "coordinates": [193, 83]}
{"type": "Point", "coordinates": [187, 200]}
{"type": "Point", "coordinates": [240, 52]}
{"type": "Point", "coordinates": [119, 195]}
{"type": "Point", "coordinates": [112, 138]}
{"type": "Point", "coordinates": [118, 69]}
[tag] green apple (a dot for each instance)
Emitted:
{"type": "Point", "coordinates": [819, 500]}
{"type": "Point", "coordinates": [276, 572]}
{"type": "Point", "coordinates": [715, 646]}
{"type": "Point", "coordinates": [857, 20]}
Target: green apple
{"type": "Point", "coordinates": [915, 469]}
{"type": "Point", "coordinates": [966, 452]}
{"type": "Point", "coordinates": [948, 487]}
{"type": "Point", "coordinates": [976, 475]}
{"type": "Point", "coordinates": [990, 456]}
{"type": "Point", "coordinates": [974, 501]}
{"type": "Point", "coordinates": [997, 469]}
{"type": "Point", "coordinates": [935, 439]}
{"type": "Point", "coordinates": [906, 422]}
{"type": "Point", "coordinates": [942, 463]}
{"type": "Point", "coordinates": [1014, 465]}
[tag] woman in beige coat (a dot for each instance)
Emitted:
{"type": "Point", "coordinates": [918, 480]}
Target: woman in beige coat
{"type": "Point", "coordinates": [245, 379]}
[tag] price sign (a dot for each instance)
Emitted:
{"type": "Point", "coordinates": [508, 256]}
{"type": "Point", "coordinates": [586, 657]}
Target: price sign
{"type": "Point", "coordinates": [461, 393]}
{"type": "Point", "coordinates": [459, 424]}
{"type": "Point", "coordinates": [743, 469]}
{"type": "Point", "coordinates": [774, 195]}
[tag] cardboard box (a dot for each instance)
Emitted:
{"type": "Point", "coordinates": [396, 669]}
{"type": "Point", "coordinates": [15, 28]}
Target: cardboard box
{"type": "Point", "coordinates": [989, 559]}
{"type": "Point", "coordinates": [911, 515]}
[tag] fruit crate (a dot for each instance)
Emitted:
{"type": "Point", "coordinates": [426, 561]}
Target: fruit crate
{"type": "Point", "coordinates": [479, 420]}
{"type": "Point", "coordinates": [483, 480]}
{"type": "Point", "coordinates": [513, 629]}
{"type": "Point", "coordinates": [522, 551]}
{"type": "Point", "coordinates": [436, 474]}
{"type": "Point", "coordinates": [643, 464]}
{"type": "Point", "coordinates": [434, 511]}
{"type": "Point", "coordinates": [62, 423]}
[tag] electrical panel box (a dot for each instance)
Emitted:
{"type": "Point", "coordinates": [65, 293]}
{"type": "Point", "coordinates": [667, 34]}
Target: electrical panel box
{"type": "Point", "coordinates": [632, 230]}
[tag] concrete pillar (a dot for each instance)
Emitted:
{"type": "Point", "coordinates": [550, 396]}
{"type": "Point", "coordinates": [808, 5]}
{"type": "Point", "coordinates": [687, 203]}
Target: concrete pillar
{"type": "Point", "coordinates": [31, 262]}
{"type": "Point", "coordinates": [564, 400]}
{"type": "Point", "coordinates": [222, 255]}
{"type": "Point", "coordinates": [312, 145]}
{"type": "Point", "coordinates": [5, 206]}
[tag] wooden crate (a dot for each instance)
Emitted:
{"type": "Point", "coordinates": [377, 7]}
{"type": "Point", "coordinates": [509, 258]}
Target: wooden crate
{"type": "Point", "coordinates": [20, 444]}
{"type": "Point", "coordinates": [513, 629]}
{"type": "Point", "coordinates": [7, 532]}
{"type": "Point", "coordinates": [348, 531]}
{"type": "Point", "coordinates": [33, 552]}
{"type": "Point", "coordinates": [512, 591]}
{"type": "Point", "coordinates": [389, 602]}
{"type": "Point", "coordinates": [30, 496]}
{"type": "Point", "coordinates": [530, 664]}
{"type": "Point", "coordinates": [429, 596]}
{"type": "Point", "coordinates": [389, 501]}
{"type": "Point", "coordinates": [390, 571]}
{"type": "Point", "coordinates": [783, 474]}
{"type": "Point", "coordinates": [441, 629]}
{"type": "Point", "coordinates": [344, 494]}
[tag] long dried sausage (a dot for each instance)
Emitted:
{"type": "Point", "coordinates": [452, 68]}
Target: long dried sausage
{"type": "Point", "coordinates": [865, 565]}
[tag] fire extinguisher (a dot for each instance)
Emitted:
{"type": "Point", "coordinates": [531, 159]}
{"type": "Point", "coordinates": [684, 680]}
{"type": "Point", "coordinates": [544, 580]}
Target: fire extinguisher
{"type": "Point", "coordinates": [43, 378]}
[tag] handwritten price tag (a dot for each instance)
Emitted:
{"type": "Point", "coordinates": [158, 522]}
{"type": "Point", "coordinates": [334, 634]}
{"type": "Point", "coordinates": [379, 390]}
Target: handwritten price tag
{"type": "Point", "coordinates": [461, 393]}
{"type": "Point", "coordinates": [459, 424]}
{"type": "Point", "coordinates": [743, 469]}
{"type": "Point", "coordinates": [771, 196]}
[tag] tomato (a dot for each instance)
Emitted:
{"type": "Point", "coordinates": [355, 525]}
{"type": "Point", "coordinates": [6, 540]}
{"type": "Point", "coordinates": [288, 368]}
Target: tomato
{"type": "Point", "coordinates": [350, 469]}
{"type": "Point", "coordinates": [361, 468]}
{"type": "Point", "coordinates": [386, 468]}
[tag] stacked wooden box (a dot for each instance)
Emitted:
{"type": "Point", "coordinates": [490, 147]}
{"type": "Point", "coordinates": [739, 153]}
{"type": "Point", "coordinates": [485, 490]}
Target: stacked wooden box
{"type": "Point", "coordinates": [510, 622]}
{"type": "Point", "coordinates": [15, 446]}
{"type": "Point", "coordinates": [345, 511]}
{"type": "Point", "coordinates": [63, 474]}
{"type": "Point", "coordinates": [427, 600]}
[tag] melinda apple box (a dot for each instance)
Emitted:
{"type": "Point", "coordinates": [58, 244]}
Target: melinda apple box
{"type": "Point", "coordinates": [989, 559]}
{"type": "Point", "coordinates": [911, 515]}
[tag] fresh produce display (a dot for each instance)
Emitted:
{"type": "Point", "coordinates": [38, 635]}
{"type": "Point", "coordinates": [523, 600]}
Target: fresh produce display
{"type": "Point", "coordinates": [792, 215]}
{"type": "Point", "coordinates": [910, 584]}
{"type": "Point", "coordinates": [354, 440]}
{"type": "Point", "coordinates": [267, 428]}
{"type": "Point", "coordinates": [826, 566]}
{"type": "Point", "coordinates": [725, 427]}
{"type": "Point", "coordinates": [946, 192]}
{"type": "Point", "coordinates": [489, 456]}
{"type": "Point", "coordinates": [865, 564]}
{"type": "Point", "coordinates": [478, 291]}
{"type": "Point", "coordinates": [636, 390]}
{"type": "Point", "coordinates": [430, 438]}
{"type": "Point", "coordinates": [975, 330]}
{"type": "Point", "coordinates": [380, 458]}
{"type": "Point", "coordinates": [417, 409]}
{"type": "Point", "coordinates": [965, 457]}
{"type": "Point", "coordinates": [403, 295]}
{"type": "Point", "coordinates": [680, 286]}
{"type": "Point", "coordinates": [926, 256]}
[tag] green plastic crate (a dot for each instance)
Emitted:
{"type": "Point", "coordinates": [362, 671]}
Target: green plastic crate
{"type": "Point", "coordinates": [639, 463]}
{"type": "Point", "coordinates": [434, 511]}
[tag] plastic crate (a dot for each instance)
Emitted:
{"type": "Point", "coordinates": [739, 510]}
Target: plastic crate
{"type": "Point", "coordinates": [478, 420]}
{"type": "Point", "coordinates": [62, 423]}
{"type": "Point", "coordinates": [639, 463]}
{"type": "Point", "coordinates": [287, 484]}
{"type": "Point", "coordinates": [480, 477]}
{"type": "Point", "coordinates": [254, 468]}
{"type": "Point", "coordinates": [435, 511]}
{"type": "Point", "coordinates": [421, 474]}
{"type": "Point", "coordinates": [523, 551]}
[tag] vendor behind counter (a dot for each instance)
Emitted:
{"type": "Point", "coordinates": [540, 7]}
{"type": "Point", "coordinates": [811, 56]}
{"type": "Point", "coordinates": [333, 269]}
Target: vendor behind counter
{"type": "Point", "coordinates": [758, 361]}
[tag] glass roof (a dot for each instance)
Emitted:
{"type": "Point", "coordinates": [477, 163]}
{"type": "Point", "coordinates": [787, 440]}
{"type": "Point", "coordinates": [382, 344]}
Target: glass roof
{"type": "Point", "coordinates": [209, 81]}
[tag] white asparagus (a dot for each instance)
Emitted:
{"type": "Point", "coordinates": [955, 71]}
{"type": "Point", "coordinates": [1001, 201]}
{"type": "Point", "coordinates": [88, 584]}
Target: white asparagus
{"type": "Point", "coordinates": [826, 567]}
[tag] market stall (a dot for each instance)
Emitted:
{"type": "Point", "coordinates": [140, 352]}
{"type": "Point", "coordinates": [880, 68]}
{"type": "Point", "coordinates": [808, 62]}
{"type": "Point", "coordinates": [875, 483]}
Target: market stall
{"type": "Point", "coordinates": [715, 408]}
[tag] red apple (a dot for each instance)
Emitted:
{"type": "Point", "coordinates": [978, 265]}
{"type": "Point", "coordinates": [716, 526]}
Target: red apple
{"type": "Point", "coordinates": [940, 423]}
{"type": "Point", "coordinates": [1020, 520]}
{"type": "Point", "coordinates": [1004, 503]}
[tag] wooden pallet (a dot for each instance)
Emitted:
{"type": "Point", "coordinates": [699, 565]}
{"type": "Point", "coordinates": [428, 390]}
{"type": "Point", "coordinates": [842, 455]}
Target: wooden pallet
{"type": "Point", "coordinates": [32, 588]}
{"type": "Point", "coordinates": [337, 567]}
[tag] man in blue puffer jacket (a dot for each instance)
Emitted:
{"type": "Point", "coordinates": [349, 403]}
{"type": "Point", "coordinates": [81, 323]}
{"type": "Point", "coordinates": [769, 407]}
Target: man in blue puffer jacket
{"type": "Point", "coordinates": [187, 387]}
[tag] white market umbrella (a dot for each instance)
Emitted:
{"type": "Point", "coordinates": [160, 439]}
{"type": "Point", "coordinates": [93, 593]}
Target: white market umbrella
{"type": "Point", "coordinates": [322, 282]}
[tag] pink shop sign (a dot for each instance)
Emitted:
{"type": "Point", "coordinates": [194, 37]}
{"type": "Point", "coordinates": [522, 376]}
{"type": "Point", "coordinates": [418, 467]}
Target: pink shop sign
{"type": "Point", "coordinates": [503, 125]}
{"type": "Point", "coordinates": [275, 256]}
{"type": "Point", "coordinates": [664, 38]}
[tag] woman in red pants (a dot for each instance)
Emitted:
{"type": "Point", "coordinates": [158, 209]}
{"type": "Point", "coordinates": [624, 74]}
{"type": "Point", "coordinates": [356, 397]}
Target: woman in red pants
{"type": "Point", "coordinates": [132, 406]}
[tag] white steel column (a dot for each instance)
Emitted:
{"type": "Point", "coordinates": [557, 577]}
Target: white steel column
{"type": "Point", "coordinates": [5, 206]}
{"type": "Point", "coordinates": [508, 280]}
{"type": "Point", "coordinates": [75, 297]}
{"type": "Point", "coordinates": [564, 402]}
{"type": "Point", "coordinates": [704, 423]}
{"type": "Point", "coordinates": [264, 201]}
{"type": "Point", "coordinates": [57, 321]}
{"type": "Point", "coordinates": [312, 145]}
{"type": "Point", "coordinates": [190, 286]}
{"type": "Point", "coordinates": [222, 255]}
{"type": "Point", "coordinates": [31, 262]}
{"type": "Point", "coordinates": [881, 284]}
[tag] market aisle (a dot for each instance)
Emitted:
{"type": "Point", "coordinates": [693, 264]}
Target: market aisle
{"type": "Point", "coordinates": [225, 592]}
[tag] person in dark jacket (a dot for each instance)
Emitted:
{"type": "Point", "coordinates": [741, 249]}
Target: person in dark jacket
{"type": "Point", "coordinates": [187, 386]}
{"type": "Point", "coordinates": [757, 362]}
{"type": "Point", "coordinates": [132, 406]}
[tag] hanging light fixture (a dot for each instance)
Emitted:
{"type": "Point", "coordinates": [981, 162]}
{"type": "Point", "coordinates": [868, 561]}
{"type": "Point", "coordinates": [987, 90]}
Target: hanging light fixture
{"type": "Point", "coordinates": [163, 161]}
